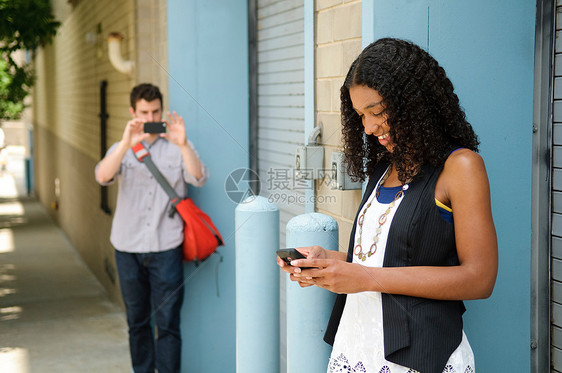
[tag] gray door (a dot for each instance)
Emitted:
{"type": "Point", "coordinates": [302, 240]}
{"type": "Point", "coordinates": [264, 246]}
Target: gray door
{"type": "Point", "coordinates": [280, 115]}
{"type": "Point", "coordinates": [280, 103]}
{"type": "Point", "coordinates": [556, 279]}
{"type": "Point", "coordinates": [556, 213]}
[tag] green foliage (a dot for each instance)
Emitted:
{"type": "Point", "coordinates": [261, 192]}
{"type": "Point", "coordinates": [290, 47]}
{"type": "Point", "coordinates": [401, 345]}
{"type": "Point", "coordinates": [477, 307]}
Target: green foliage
{"type": "Point", "coordinates": [24, 25]}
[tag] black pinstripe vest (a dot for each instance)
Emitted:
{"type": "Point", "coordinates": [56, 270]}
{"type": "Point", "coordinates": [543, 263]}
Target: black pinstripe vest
{"type": "Point", "coordinates": [419, 333]}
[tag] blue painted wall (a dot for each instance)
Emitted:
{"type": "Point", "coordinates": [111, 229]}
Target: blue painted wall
{"type": "Point", "coordinates": [487, 49]}
{"type": "Point", "coordinates": [208, 84]}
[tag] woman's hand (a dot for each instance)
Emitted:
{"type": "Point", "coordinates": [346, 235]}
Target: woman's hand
{"type": "Point", "coordinates": [335, 275]}
{"type": "Point", "coordinates": [309, 252]}
{"type": "Point", "coordinates": [316, 256]}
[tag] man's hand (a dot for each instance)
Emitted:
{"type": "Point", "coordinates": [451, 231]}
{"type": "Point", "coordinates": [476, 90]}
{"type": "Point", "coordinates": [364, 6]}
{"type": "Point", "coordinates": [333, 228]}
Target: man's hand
{"type": "Point", "coordinates": [176, 130]}
{"type": "Point", "coordinates": [132, 135]}
{"type": "Point", "coordinates": [134, 132]}
{"type": "Point", "coordinates": [176, 135]}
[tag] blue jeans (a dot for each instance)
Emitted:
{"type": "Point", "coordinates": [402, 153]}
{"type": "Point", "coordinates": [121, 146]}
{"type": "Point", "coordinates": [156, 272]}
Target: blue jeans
{"type": "Point", "coordinates": [157, 279]}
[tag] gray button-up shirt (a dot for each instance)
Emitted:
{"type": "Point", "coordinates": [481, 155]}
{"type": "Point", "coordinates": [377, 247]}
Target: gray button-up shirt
{"type": "Point", "coordinates": [141, 223]}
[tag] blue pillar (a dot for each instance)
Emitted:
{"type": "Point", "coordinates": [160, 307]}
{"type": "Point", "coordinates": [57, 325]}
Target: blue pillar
{"type": "Point", "coordinates": [308, 309]}
{"type": "Point", "coordinates": [257, 286]}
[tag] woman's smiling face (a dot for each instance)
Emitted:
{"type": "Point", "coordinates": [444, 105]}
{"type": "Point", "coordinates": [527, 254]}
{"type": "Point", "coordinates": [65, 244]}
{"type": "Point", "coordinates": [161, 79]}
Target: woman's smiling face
{"type": "Point", "coordinates": [368, 104]}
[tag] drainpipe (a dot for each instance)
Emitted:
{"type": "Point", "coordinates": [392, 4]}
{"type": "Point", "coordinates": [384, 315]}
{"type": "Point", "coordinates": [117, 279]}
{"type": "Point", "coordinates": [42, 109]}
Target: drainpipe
{"type": "Point", "coordinates": [114, 50]}
{"type": "Point", "coordinates": [309, 92]}
{"type": "Point", "coordinates": [103, 115]}
{"type": "Point", "coordinates": [29, 161]}
{"type": "Point", "coordinates": [309, 309]}
{"type": "Point", "coordinates": [253, 89]}
{"type": "Point", "coordinates": [257, 286]}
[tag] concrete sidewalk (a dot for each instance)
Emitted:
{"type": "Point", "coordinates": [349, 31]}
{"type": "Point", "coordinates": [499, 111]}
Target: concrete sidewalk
{"type": "Point", "coordinates": [54, 315]}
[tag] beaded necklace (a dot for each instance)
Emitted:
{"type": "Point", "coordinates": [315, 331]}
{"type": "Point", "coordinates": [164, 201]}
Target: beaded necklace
{"type": "Point", "coordinates": [358, 249]}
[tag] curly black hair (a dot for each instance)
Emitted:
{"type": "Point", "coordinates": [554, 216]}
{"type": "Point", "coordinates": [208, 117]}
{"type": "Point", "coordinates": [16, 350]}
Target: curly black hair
{"type": "Point", "coordinates": [424, 114]}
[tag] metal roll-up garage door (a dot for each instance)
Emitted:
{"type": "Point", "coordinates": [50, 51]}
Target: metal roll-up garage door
{"type": "Point", "coordinates": [280, 103]}
{"type": "Point", "coordinates": [556, 198]}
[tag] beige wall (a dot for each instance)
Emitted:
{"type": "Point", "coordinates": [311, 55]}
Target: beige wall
{"type": "Point", "coordinates": [66, 106]}
{"type": "Point", "coordinates": [338, 43]}
{"type": "Point", "coordinates": [70, 71]}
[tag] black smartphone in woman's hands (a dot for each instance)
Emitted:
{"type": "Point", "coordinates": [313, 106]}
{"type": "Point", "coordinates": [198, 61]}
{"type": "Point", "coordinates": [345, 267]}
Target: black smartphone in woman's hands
{"type": "Point", "coordinates": [291, 254]}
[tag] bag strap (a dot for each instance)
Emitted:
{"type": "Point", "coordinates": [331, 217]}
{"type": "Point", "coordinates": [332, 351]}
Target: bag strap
{"type": "Point", "coordinates": [143, 155]}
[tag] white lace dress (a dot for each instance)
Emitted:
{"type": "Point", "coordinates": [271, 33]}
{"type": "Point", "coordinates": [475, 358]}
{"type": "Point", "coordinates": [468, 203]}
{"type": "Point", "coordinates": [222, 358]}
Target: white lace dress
{"type": "Point", "coordinates": [359, 344]}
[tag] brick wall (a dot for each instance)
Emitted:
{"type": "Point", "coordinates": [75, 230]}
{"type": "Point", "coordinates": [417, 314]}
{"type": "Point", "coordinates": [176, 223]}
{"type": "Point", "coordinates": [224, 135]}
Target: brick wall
{"type": "Point", "coordinates": [338, 43]}
{"type": "Point", "coordinates": [66, 106]}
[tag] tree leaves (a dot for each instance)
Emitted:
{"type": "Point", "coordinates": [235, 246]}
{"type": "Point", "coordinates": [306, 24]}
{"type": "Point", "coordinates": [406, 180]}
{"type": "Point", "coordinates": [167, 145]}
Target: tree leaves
{"type": "Point", "coordinates": [24, 25]}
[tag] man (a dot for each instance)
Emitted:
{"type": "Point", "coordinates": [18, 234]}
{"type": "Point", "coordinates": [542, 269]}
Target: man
{"type": "Point", "coordinates": [147, 240]}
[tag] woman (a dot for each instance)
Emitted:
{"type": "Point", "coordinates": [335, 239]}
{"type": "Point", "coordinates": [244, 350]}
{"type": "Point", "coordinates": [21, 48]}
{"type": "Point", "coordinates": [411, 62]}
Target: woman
{"type": "Point", "coordinates": [423, 239]}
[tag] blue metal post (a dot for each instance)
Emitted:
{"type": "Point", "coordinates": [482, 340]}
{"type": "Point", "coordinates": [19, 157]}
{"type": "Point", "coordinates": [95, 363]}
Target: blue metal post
{"type": "Point", "coordinates": [308, 309]}
{"type": "Point", "coordinates": [257, 286]}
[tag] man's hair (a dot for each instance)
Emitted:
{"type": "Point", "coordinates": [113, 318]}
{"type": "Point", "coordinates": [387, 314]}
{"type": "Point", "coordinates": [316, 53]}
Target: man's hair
{"type": "Point", "coordinates": [147, 92]}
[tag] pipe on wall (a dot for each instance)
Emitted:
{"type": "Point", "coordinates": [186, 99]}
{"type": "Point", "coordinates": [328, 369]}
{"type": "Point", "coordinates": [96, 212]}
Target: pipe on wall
{"type": "Point", "coordinates": [103, 115]}
{"type": "Point", "coordinates": [309, 96]}
{"type": "Point", "coordinates": [114, 50]}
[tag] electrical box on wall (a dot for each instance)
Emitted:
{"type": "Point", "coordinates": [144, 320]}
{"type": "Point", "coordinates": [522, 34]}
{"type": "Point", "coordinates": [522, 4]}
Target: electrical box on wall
{"type": "Point", "coordinates": [309, 162]}
{"type": "Point", "coordinates": [340, 179]}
